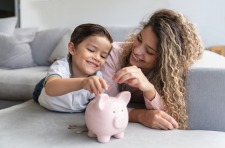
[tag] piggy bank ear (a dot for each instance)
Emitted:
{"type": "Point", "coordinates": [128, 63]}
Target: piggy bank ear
{"type": "Point", "coordinates": [125, 96]}
{"type": "Point", "coordinates": [101, 101]}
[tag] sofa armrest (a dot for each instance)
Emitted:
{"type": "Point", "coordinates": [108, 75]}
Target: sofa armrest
{"type": "Point", "coordinates": [206, 93]}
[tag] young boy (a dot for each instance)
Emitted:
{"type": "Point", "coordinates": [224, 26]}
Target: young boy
{"type": "Point", "coordinates": [72, 82]}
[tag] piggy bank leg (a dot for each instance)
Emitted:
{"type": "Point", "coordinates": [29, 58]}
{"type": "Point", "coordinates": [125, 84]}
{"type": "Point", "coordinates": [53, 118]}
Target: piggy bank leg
{"type": "Point", "coordinates": [91, 134]}
{"type": "Point", "coordinates": [118, 136]}
{"type": "Point", "coordinates": [103, 139]}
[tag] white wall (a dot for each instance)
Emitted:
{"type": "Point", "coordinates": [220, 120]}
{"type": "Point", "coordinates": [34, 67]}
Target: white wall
{"type": "Point", "coordinates": [209, 16]}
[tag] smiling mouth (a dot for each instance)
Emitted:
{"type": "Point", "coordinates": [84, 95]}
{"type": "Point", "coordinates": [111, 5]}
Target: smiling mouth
{"type": "Point", "coordinates": [92, 64]}
{"type": "Point", "coordinates": [135, 58]}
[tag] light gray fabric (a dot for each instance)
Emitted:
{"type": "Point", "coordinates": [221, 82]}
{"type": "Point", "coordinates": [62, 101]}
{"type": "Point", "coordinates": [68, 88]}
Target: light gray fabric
{"type": "Point", "coordinates": [5, 103]}
{"type": "Point", "coordinates": [44, 43]}
{"type": "Point", "coordinates": [121, 33]}
{"type": "Point", "coordinates": [15, 49]}
{"type": "Point", "coordinates": [18, 84]}
{"type": "Point", "coordinates": [7, 25]}
{"type": "Point", "coordinates": [25, 35]}
{"type": "Point", "coordinates": [205, 93]}
{"type": "Point", "coordinates": [61, 49]}
{"type": "Point", "coordinates": [29, 125]}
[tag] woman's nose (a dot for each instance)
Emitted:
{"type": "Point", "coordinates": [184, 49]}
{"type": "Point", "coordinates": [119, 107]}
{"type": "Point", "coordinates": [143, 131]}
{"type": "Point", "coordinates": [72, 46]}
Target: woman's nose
{"type": "Point", "coordinates": [139, 50]}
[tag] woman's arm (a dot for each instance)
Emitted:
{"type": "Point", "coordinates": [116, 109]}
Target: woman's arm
{"type": "Point", "coordinates": [155, 103]}
{"type": "Point", "coordinates": [156, 119]}
{"type": "Point", "coordinates": [134, 77]}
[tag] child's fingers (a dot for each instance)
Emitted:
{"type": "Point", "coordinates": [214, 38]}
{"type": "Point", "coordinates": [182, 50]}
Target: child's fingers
{"type": "Point", "coordinates": [104, 85]}
{"type": "Point", "coordinates": [98, 85]}
{"type": "Point", "coordinates": [94, 89]}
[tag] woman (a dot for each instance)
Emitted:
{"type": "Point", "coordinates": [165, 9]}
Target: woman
{"type": "Point", "coordinates": [153, 65]}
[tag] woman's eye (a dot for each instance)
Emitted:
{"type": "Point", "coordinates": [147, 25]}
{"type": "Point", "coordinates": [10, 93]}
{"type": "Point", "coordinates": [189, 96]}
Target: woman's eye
{"type": "Point", "coordinates": [139, 39]}
{"type": "Point", "coordinates": [150, 52]}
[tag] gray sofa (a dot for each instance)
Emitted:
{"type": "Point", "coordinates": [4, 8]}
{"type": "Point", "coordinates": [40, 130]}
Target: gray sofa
{"type": "Point", "coordinates": [29, 125]}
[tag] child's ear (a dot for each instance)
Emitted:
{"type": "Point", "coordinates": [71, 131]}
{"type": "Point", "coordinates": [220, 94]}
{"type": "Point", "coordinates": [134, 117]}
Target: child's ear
{"type": "Point", "coordinates": [71, 48]}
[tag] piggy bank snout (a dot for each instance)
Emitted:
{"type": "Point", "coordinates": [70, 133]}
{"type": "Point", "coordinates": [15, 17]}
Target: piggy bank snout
{"type": "Point", "coordinates": [120, 122]}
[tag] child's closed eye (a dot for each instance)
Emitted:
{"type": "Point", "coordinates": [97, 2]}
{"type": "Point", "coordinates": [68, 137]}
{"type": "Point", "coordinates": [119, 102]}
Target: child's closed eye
{"type": "Point", "coordinates": [103, 56]}
{"type": "Point", "coordinates": [91, 50]}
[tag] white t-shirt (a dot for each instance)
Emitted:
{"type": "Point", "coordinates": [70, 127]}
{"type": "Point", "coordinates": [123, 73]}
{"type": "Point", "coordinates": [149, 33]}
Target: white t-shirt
{"type": "Point", "coordinates": [75, 101]}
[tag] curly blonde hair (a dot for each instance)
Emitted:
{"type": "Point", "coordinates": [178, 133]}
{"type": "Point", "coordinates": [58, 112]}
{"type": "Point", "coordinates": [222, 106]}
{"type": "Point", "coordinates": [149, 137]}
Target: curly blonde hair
{"type": "Point", "coordinates": [179, 46]}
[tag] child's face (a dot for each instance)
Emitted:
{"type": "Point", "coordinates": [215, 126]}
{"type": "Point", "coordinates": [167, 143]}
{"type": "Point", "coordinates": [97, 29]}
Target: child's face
{"type": "Point", "coordinates": [89, 56]}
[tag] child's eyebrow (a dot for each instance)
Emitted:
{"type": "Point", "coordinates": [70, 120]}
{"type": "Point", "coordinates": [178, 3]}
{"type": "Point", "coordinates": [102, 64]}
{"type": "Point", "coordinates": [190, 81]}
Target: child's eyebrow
{"type": "Point", "coordinates": [90, 44]}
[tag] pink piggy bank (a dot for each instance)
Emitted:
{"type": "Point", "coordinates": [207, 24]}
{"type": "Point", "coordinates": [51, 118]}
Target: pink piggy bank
{"type": "Point", "coordinates": [107, 116]}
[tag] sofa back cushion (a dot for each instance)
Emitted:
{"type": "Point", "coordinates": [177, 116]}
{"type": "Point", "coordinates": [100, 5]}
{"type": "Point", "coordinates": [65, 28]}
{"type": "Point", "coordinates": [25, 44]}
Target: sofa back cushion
{"type": "Point", "coordinates": [121, 33]}
{"type": "Point", "coordinates": [44, 43]}
{"type": "Point", "coordinates": [15, 49]}
{"type": "Point", "coordinates": [7, 25]}
{"type": "Point", "coordinates": [61, 50]}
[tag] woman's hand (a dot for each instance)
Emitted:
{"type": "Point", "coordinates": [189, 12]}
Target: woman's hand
{"type": "Point", "coordinates": [134, 77]}
{"type": "Point", "coordinates": [95, 84]}
{"type": "Point", "coordinates": [156, 119]}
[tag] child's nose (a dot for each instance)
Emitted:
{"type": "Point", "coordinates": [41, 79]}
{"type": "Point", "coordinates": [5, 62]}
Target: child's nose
{"type": "Point", "coordinates": [97, 57]}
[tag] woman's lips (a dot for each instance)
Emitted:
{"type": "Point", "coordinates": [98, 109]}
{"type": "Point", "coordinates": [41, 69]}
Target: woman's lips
{"type": "Point", "coordinates": [134, 58]}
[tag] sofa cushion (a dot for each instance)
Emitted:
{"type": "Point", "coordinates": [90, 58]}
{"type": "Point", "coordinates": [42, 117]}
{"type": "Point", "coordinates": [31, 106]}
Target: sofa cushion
{"type": "Point", "coordinates": [205, 93]}
{"type": "Point", "coordinates": [61, 50]}
{"type": "Point", "coordinates": [44, 43]}
{"type": "Point", "coordinates": [18, 84]}
{"type": "Point", "coordinates": [25, 35]}
{"type": "Point", "coordinates": [7, 25]}
{"type": "Point", "coordinates": [121, 33]}
{"type": "Point", "coordinates": [15, 49]}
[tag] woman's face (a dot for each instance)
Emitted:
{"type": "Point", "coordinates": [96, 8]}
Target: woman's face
{"type": "Point", "coordinates": [144, 52]}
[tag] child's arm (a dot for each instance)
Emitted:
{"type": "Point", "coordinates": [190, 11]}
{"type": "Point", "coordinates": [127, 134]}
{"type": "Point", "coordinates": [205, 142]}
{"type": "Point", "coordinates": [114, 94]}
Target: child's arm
{"type": "Point", "coordinates": [56, 86]}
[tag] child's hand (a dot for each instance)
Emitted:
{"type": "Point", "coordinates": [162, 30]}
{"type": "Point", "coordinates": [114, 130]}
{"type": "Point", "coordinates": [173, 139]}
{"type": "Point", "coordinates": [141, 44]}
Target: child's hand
{"type": "Point", "coordinates": [95, 84]}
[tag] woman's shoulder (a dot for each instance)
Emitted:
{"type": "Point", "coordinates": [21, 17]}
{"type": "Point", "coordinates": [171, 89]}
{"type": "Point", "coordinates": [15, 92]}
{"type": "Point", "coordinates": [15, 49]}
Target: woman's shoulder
{"type": "Point", "coordinates": [117, 49]}
{"type": "Point", "coordinates": [117, 45]}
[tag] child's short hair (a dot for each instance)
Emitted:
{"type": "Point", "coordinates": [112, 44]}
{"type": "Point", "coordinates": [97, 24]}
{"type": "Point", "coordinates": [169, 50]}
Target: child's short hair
{"type": "Point", "coordinates": [83, 31]}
